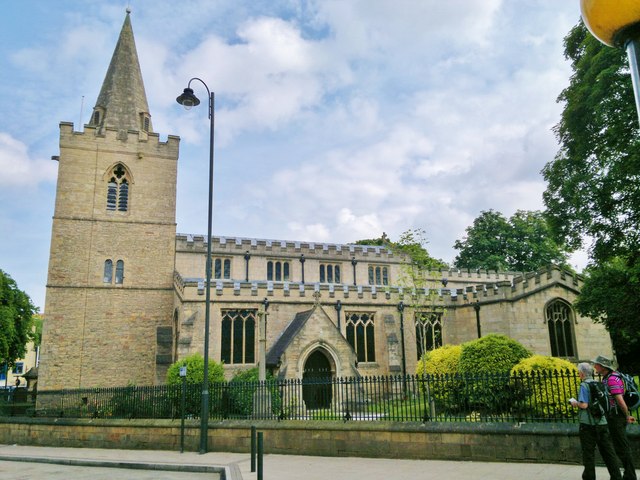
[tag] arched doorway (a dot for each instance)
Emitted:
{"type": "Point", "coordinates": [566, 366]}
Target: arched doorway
{"type": "Point", "coordinates": [316, 381]}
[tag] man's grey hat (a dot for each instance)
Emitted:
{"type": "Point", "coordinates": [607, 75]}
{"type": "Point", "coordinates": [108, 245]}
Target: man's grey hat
{"type": "Point", "coordinates": [604, 361]}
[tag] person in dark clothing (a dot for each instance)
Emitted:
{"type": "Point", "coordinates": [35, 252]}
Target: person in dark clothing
{"type": "Point", "coordinates": [593, 431]}
{"type": "Point", "coordinates": [619, 415]}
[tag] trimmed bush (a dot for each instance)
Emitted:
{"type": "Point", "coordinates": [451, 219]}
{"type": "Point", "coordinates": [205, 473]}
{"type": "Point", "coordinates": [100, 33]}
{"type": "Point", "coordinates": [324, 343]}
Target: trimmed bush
{"type": "Point", "coordinates": [485, 364]}
{"type": "Point", "coordinates": [445, 359]}
{"type": "Point", "coordinates": [491, 354]}
{"type": "Point", "coordinates": [442, 382]}
{"type": "Point", "coordinates": [195, 375]}
{"type": "Point", "coordinates": [547, 383]}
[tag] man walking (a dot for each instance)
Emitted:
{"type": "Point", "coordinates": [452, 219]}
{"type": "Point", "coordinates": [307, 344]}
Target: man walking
{"type": "Point", "coordinates": [593, 431]}
{"type": "Point", "coordinates": [619, 415]}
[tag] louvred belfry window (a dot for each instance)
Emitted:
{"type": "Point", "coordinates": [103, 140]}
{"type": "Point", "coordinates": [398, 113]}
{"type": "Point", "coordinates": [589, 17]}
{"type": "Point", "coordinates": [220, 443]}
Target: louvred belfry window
{"type": "Point", "coordinates": [118, 190]}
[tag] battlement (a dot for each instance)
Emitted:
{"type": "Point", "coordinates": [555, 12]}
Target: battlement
{"type": "Point", "coordinates": [240, 245]}
{"type": "Point", "coordinates": [193, 289]}
{"type": "Point", "coordinates": [138, 142]}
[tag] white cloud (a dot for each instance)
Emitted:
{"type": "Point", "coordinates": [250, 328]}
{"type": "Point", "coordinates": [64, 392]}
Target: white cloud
{"type": "Point", "coordinates": [18, 168]}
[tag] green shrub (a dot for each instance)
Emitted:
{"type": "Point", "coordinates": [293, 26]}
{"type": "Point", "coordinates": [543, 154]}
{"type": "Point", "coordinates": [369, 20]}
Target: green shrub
{"type": "Point", "coordinates": [195, 370]}
{"type": "Point", "coordinates": [547, 384]}
{"type": "Point", "coordinates": [442, 382]}
{"type": "Point", "coordinates": [486, 364]}
{"type": "Point", "coordinates": [242, 389]}
{"type": "Point", "coordinates": [445, 359]}
{"type": "Point", "coordinates": [491, 354]}
{"type": "Point", "coordinates": [195, 375]}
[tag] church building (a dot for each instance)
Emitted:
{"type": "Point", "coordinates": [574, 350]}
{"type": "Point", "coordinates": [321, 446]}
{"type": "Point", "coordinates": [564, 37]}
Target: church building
{"type": "Point", "coordinates": [126, 292]}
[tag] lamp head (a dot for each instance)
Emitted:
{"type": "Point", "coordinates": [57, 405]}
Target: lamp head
{"type": "Point", "coordinates": [188, 99]}
{"type": "Point", "coordinates": [613, 23]}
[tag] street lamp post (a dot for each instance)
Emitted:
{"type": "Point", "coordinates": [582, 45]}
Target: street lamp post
{"type": "Point", "coordinates": [188, 100]}
{"type": "Point", "coordinates": [401, 306]}
{"type": "Point", "coordinates": [617, 24]}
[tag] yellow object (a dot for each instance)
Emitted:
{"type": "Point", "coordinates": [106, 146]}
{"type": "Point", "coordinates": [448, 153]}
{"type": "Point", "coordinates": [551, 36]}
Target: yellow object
{"type": "Point", "coordinates": [606, 18]}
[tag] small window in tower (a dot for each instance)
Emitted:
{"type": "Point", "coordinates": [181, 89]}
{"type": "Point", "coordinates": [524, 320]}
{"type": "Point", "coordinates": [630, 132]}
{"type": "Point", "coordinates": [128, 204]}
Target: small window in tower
{"type": "Point", "coordinates": [145, 124]}
{"type": "Point", "coordinates": [108, 271]}
{"type": "Point", "coordinates": [96, 118]}
{"type": "Point", "coordinates": [119, 272]}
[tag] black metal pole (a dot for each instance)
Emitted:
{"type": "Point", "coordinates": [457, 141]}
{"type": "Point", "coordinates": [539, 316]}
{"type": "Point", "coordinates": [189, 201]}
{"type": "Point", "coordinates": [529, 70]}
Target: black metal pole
{"type": "Point", "coordinates": [354, 262]}
{"type": "Point", "coordinates": [260, 454]}
{"type": "Point", "coordinates": [404, 361]}
{"type": "Point", "coordinates": [302, 259]}
{"type": "Point", "coordinates": [182, 408]}
{"type": "Point", "coordinates": [476, 307]}
{"type": "Point", "coordinates": [253, 448]}
{"type": "Point", "coordinates": [338, 309]}
{"type": "Point", "coordinates": [247, 256]}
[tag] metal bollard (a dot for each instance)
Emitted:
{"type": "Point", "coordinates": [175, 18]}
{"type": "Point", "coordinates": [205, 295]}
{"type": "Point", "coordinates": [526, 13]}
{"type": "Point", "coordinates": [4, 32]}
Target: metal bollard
{"type": "Point", "coordinates": [253, 448]}
{"type": "Point", "coordinates": [260, 454]}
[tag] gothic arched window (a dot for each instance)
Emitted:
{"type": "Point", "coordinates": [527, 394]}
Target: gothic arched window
{"type": "Point", "coordinates": [118, 189]}
{"type": "Point", "coordinates": [559, 317]}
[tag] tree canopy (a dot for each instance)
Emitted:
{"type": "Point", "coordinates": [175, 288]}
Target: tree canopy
{"type": "Point", "coordinates": [520, 243]}
{"type": "Point", "coordinates": [16, 320]}
{"type": "Point", "coordinates": [411, 243]}
{"type": "Point", "coordinates": [593, 186]}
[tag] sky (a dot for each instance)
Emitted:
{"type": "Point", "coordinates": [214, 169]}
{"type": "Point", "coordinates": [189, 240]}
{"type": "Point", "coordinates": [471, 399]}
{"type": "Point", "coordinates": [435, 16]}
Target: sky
{"type": "Point", "coordinates": [336, 120]}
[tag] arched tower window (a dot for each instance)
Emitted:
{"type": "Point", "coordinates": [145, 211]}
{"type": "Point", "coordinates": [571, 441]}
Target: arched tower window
{"type": "Point", "coordinates": [108, 271]}
{"type": "Point", "coordinates": [118, 189]}
{"type": "Point", "coordinates": [560, 319]}
{"type": "Point", "coordinates": [119, 272]}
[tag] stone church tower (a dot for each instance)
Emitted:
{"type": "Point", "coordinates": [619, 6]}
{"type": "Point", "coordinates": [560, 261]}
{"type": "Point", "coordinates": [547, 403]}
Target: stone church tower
{"type": "Point", "coordinates": [110, 282]}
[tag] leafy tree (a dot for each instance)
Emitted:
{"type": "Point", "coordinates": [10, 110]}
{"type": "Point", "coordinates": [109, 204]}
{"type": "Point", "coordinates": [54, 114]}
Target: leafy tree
{"type": "Point", "coordinates": [610, 296]}
{"type": "Point", "coordinates": [521, 243]}
{"type": "Point", "coordinates": [593, 185]}
{"type": "Point", "coordinates": [16, 321]}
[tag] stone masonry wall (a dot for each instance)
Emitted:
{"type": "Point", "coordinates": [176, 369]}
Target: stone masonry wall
{"type": "Point", "coordinates": [544, 443]}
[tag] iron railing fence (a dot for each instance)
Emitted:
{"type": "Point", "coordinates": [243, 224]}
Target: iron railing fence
{"type": "Point", "coordinates": [498, 397]}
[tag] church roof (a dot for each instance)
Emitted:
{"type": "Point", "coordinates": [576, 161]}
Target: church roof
{"type": "Point", "coordinates": [289, 333]}
{"type": "Point", "coordinates": [122, 102]}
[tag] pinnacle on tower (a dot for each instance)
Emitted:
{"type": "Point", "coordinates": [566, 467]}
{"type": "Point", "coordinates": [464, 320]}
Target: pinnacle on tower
{"type": "Point", "coordinates": [122, 103]}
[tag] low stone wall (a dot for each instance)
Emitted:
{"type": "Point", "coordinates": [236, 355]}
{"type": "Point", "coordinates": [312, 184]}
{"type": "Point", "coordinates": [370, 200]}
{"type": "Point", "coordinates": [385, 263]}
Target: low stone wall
{"type": "Point", "coordinates": [547, 443]}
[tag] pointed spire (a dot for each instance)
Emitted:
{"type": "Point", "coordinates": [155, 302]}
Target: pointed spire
{"type": "Point", "coordinates": [122, 103]}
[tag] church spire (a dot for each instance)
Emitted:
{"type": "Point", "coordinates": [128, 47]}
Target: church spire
{"type": "Point", "coordinates": [122, 103]}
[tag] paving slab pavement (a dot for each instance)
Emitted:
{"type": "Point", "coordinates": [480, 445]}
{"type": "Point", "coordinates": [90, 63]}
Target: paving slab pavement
{"type": "Point", "coordinates": [44, 463]}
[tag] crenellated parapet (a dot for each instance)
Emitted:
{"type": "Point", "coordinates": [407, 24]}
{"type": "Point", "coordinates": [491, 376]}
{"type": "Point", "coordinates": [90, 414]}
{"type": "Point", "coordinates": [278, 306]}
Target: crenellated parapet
{"type": "Point", "coordinates": [193, 289]}
{"type": "Point", "coordinates": [130, 141]}
{"type": "Point", "coordinates": [258, 246]}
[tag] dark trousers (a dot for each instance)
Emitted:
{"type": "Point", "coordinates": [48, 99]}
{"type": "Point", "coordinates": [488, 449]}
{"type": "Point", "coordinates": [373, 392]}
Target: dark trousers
{"type": "Point", "coordinates": [590, 436]}
{"type": "Point", "coordinates": [618, 431]}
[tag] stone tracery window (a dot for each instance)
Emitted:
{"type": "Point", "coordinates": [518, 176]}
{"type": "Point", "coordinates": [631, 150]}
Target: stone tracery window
{"type": "Point", "coordinates": [329, 273]}
{"type": "Point", "coordinates": [560, 319]}
{"type": "Point", "coordinates": [361, 335]}
{"type": "Point", "coordinates": [118, 190]}
{"type": "Point", "coordinates": [222, 268]}
{"type": "Point", "coordinates": [428, 332]}
{"type": "Point", "coordinates": [238, 336]}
